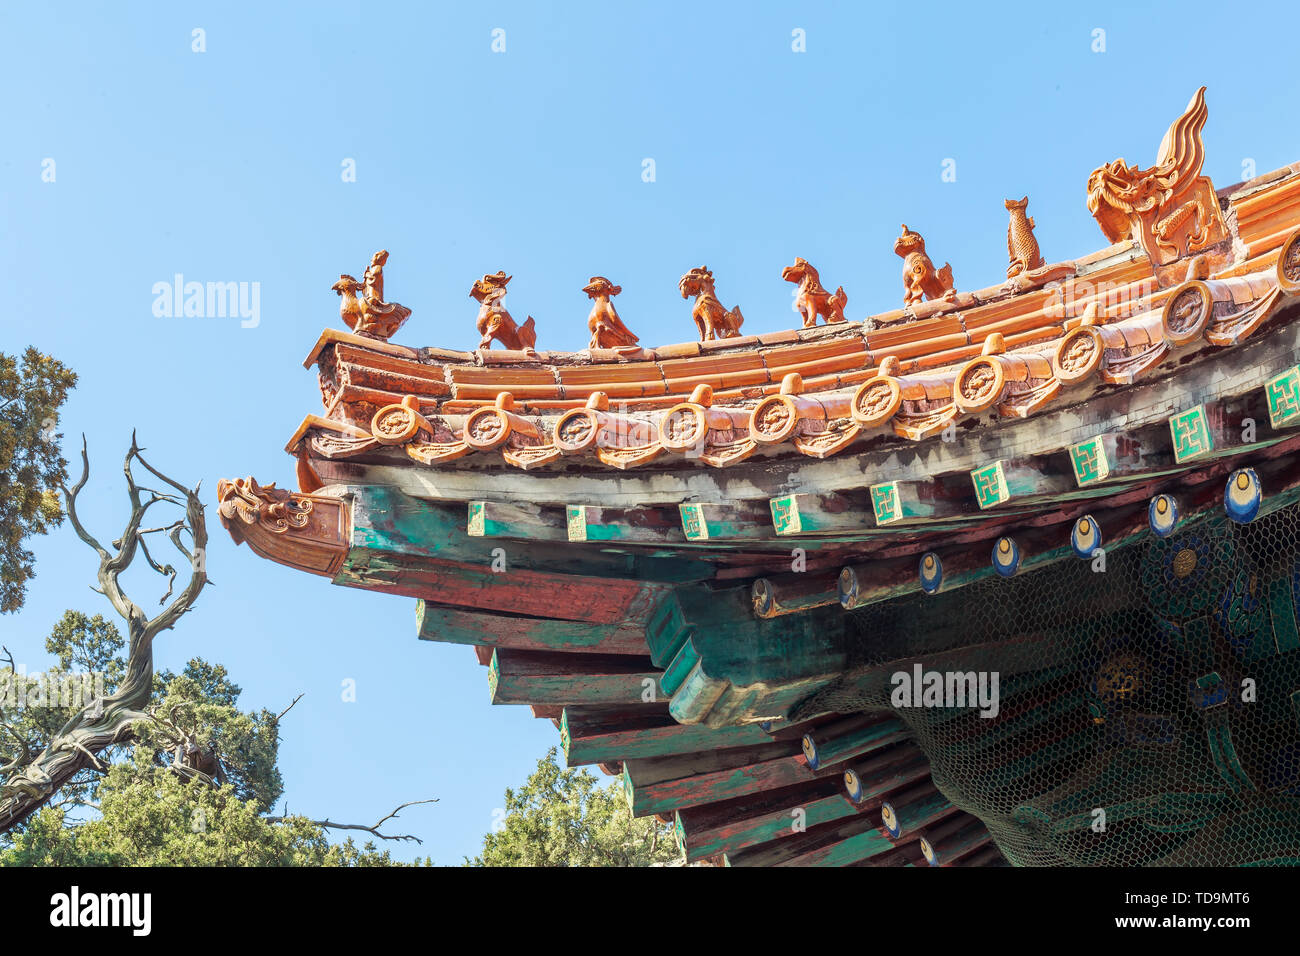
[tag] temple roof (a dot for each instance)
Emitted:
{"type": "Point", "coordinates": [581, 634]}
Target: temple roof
{"type": "Point", "coordinates": [649, 500]}
{"type": "Point", "coordinates": [1004, 352]}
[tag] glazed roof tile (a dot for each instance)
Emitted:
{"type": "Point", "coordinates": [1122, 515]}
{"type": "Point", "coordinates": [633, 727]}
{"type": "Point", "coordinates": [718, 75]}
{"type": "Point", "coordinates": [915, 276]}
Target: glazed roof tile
{"type": "Point", "coordinates": [929, 347]}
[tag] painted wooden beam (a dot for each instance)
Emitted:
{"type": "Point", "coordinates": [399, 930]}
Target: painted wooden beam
{"type": "Point", "coordinates": [874, 581]}
{"type": "Point", "coordinates": [711, 521]}
{"type": "Point", "coordinates": [450, 625]}
{"type": "Point", "coordinates": [538, 677]}
{"type": "Point", "coordinates": [907, 811]}
{"type": "Point", "coordinates": [853, 842]}
{"type": "Point", "coordinates": [900, 503]}
{"type": "Point", "coordinates": [1223, 427]}
{"type": "Point", "coordinates": [866, 782]}
{"type": "Point", "coordinates": [1192, 433]}
{"type": "Point", "coordinates": [503, 519]}
{"type": "Point", "coordinates": [662, 785]}
{"type": "Point", "coordinates": [591, 735]}
{"type": "Point", "coordinates": [903, 855]}
{"type": "Point", "coordinates": [408, 531]}
{"type": "Point", "coordinates": [571, 597]}
{"type": "Point", "coordinates": [944, 843]}
{"type": "Point", "coordinates": [951, 567]}
{"type": "Point", "coordinates": [623, 525]}
{"type": "Point", "coordinates": [794, 730]}
{"type": "Point", "coordinates": [731, 825]}
{"type": "Point", "coordinates": [852, 737]}
{"type": "Point", "coordinates": [814, 514]}
{"type": "Point", "coordinates": [741, 668]}
{"type": "Point", "coordinates": [1282, 397]}
{"type": "Point", "coordinates": [1117, 455]}
{"type": "Point", "coordinates": [1001, 481]}
{"type": "Point", "coordinates": [848, 840]}
{"type": "Point", "coordinates": [780, 594]}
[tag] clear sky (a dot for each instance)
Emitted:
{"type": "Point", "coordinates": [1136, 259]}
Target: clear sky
{"type": "Point", "coordinates": [227, 166]}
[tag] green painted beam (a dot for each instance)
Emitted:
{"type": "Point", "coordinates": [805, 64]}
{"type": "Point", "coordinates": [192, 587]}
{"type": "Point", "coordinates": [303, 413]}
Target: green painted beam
{"type": "Point", "coordinates": [534, 677]}
{"type": "Point", "coordinates": [779, 594]}
{"type": "Point", "coordinates": [710, 521]}
{"type": "Point", "coordinates": [852, 848]}
{"type": "Point", "coordinates": [591, 737]}
{"type": "Point", "coordinates": [502, 519]}
{"type": "Point", "coordinates": [387, 522]}
{"type": "Point", "coordinates": [848, 840]}
{"type": "Point", "coordinates": [946, 842]}
{"type": "Point", "coordinates": [919, 805]}
{"type": "Point", "coordinates": [813, 514]}
{"type": "Point", "coordinates": [898, 503]}
{"type": "Point", "coordinates": [622, 525]}
{"type": "Point", "coordinates": [844, 740]}
{"type": "Point", "coordinates": [728, 827]}
{"type": "Point", "coordinates": [451, 625]}
{"type": "Point", "coordinates": [651, 793]}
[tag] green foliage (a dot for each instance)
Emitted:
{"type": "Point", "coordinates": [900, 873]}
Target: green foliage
{"type": "Point", "coordinates": [82, 645]}
{"type": "Point", "coordinates": [150, 816]}
{"type": "Point", "coordinates": [88, 644]}
{"type": "Point", "coordinates": [147, 808]}
{"type": "Point", "coordinates": [202, 701]}
{"type": "Point", "coordinates": [565, 818]}
{"type": "Point", "coordinates": [31, 467]}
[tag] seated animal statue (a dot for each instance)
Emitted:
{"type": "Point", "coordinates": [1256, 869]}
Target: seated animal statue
{"type": "Point", "coordinates": [920, 278]}
{"type": "Point", "coordinates": [494, 322]}
{"type": "Point", "coordinates": [812, 299]}
{"type": "Point", "coordinates": [713, 320]}
{"type": "Point", "coordinates": [607, 329]}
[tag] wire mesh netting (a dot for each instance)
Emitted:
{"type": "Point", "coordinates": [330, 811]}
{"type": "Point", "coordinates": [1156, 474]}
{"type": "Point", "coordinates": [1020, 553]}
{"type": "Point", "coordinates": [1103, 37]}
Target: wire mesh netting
{"type": "Point", "coordinates": [1148, 699]}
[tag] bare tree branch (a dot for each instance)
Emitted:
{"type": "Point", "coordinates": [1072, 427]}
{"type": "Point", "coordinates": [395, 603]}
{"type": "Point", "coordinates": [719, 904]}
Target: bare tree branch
{"type": "Point", "coordinates": [29, 783]}
{"type": "Point", "coordinates": [372, 830]}
{"type": "Point", "coordinates": [71, 498]}
{"type": "Point", "coordinates": [32, 783]}
{"type": "Point", "coordinates": [287, 709]}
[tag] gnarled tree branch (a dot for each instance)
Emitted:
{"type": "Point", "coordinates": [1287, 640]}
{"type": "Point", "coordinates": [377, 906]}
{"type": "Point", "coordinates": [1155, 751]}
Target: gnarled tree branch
{"type": "Point", "coordinates": [32, 783]}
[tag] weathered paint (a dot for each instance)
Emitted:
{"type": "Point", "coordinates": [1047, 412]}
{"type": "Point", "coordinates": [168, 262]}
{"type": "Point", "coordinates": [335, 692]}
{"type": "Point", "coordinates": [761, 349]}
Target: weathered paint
{"type": "Point", "coordinates": [532, 677]}
{"type": "Point", "coordinates": [450, 625]}
{"type": "Point", "coordinates": [590, 740]}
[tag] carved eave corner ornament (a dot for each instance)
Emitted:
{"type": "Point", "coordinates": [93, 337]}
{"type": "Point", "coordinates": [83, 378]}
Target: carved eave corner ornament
{"type": "Point", "coordinates": [309, 532]}
{"type": "Point", "coordinates": [1170, 209]}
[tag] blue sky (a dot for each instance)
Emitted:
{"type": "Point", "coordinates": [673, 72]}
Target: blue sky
{"type": "Point", "coordinates": [226, 166]}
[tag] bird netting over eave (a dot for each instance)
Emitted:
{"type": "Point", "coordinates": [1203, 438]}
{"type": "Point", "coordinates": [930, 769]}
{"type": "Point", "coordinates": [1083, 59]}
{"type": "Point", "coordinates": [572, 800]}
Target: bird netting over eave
{"type": "Point", "coordinates": [1147, 713]}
